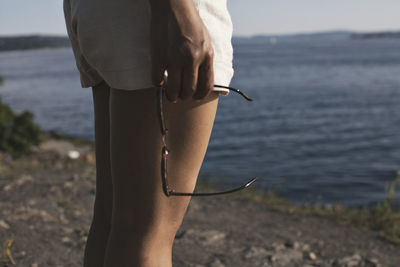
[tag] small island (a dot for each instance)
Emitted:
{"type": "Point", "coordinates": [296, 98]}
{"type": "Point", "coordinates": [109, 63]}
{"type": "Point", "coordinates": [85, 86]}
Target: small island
{"type": "Point", "coordinates": [8, 43]}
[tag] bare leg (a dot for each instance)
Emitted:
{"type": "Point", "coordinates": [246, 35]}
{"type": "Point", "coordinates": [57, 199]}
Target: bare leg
{"type": "Point", "coordinates": [101, 224]}
{"type": "Point", "coordinates": [144, 220]}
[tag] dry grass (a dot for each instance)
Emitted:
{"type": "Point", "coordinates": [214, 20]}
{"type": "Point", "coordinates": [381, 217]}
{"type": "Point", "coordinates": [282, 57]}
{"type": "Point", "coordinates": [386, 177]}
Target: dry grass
{"type": "Point", "coordinates": [382, 217]}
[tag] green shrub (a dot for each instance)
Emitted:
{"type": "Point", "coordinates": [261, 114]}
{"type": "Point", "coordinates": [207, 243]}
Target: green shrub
{"type": "Point", "coordinates": [18, 132]}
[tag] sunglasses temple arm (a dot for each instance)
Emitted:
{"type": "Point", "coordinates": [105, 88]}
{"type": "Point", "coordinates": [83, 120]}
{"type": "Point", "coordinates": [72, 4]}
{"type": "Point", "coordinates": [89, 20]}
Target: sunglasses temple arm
{"type": "Point", "coordinates": [235, 90]}
{"type": "Point", "coordinates": [214, 193]}
{"type": "Point", "coordinates": [160, 109]}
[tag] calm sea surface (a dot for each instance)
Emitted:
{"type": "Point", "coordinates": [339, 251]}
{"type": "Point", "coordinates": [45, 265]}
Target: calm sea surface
{"type": "Point", "coordinates": [325, 120]}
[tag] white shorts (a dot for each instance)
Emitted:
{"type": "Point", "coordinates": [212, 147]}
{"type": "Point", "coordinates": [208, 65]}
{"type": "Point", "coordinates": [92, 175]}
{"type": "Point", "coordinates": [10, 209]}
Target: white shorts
{"type": "Point", "coordinates": [111, 41]}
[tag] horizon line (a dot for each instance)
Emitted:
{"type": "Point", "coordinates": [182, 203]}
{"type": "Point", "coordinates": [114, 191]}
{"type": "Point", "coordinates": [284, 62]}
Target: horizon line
{"type": "Point", "coordinates": [233, 36]}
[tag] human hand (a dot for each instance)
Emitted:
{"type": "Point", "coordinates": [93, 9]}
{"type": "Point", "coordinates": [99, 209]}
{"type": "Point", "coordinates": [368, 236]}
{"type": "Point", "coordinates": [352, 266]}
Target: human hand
{"type": "Point", "coordinates": [181, 45]}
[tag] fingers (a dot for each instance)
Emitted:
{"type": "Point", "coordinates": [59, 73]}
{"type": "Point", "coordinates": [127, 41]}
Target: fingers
{"type": "Point", "coordinates": [174, 84]}
{"type": "Point", "coordinates": [186, 82]}
{"type": "Point", "coordinates": [189, 83]}
{"type": "Point", "coordinates": [205, 82]}
{"type": "Point", "coordinates": [190, 72]}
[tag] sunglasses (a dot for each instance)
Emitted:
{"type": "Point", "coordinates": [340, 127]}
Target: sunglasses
{"type": "Point", "coordinates": [164, 153]}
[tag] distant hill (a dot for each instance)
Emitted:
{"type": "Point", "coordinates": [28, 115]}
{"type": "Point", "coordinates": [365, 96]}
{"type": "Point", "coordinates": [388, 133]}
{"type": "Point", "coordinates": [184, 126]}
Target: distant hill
{"type": "Point", "coordinates": [374, 35]}
{"type": "Point", "coordinates": [327, 36]}
{"type": "Point", "coordinates": [8, 43]}
{"type": "Point", "coordinates": [24, 42]}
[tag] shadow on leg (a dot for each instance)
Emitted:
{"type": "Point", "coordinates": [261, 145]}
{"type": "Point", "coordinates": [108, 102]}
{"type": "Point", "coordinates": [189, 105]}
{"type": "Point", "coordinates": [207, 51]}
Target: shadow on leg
{"type": "Point", "coordinates": [101, 223]}
{"type": "Point", "coordinates": [144, 220]}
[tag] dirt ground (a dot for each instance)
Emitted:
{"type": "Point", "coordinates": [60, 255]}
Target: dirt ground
{"type": "Point", "coordinates": [46, 202]}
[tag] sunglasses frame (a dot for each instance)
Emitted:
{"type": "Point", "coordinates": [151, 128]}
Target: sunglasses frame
{"type": "Point", "coordinates": [164, 152]}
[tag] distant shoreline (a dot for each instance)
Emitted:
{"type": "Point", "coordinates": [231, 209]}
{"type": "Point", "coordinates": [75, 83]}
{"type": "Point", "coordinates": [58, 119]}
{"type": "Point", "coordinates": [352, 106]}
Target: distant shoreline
{"type": "Point", "coordinates": [37, 41]}
{"type": "Point", "coordinates": [28, 42]}
{"type": "Point", "coordinates": [375, 35]}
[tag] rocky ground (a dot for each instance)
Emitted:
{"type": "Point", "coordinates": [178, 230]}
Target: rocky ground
{"type": "Point", "coordinates": [46, 202]}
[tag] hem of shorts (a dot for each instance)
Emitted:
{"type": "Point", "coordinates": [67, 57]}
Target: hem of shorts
{"type": "Point", "coordinates": [140, 77]}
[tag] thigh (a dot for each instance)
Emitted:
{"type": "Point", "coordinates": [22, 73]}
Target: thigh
{"type": "Point", "coordinates": [103, 202]}
{"type": "Point", "coordinates": [136, 154]}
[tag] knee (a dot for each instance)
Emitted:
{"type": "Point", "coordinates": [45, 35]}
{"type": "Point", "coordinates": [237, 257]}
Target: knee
{"type": "Point", "coordinates": [145, 221]}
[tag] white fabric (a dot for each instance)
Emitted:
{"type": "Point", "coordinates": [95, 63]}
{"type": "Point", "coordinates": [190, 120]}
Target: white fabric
{"type": "Point", "coordinates": [111, 41]}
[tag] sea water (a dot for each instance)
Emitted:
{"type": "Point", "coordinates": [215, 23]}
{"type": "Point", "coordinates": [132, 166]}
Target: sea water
{"type": "Point", "coordinates": [324, 123]}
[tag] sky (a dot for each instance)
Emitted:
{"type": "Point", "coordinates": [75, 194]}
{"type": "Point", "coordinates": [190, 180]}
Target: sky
{"type": "Point", "coordinates": [249, 17]}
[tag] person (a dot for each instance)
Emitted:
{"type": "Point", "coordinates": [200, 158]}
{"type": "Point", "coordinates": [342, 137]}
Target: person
{"type": "Point", "coordinates": [124, 50]}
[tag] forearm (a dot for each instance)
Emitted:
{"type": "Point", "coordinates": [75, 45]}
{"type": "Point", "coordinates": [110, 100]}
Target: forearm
{"type": "Point", "coordinates": [182, 13]}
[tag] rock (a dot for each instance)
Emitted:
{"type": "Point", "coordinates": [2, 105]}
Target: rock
{"type": "Point", "coordinates": [7, 187]}
{"type": "Point", "coordinates": [66, 240]}
{"type": "Point", "coordinates": [68, 230]}
{"type": "Point", "coordinates": [18, 256]}
{"type": "Point", "coordinates": [257, 252]}
{"type": "Point", "coordinates": [310, 256]}
{"type": "Point", "coordinates": [350, 261]}
{"type": "Point", "coordinates": [68, 185]}
{"type": "Point", "coordinates": [46, 217]}
{"type": "Point", "coordinates": [77, 213]}
{"type": "Point", "coordinates": [73, 154]}
{"type": "Point", "coordinates": [306, 247]}
{"type": "Point", "coordinates": [206, 237]}
{"type": "Point", "coordinates": [26, 213]}
{"type": "Point", "coordinates": [278, 246]}
{"type": "Point", "coordinates": [4, 225]}
{"type": "Point", "coordinates": [64, 148]}
{"type": "Point", "coordinates": [287, 257]}
{"type": "Point", "coordinates": [18, 182]}
{"type": "Point", "coordinates": [292, 244]}
{"type": "Point", "coordinates": [216, 263]}
{"type": "Point", "coordinates": [23, 179]}
{"type": "Point", "coordinates": [372, 262]}
{"type": "Point", "coordinates": [34, 265]}
{"type": "Point", "coordinates": [272, 258]}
